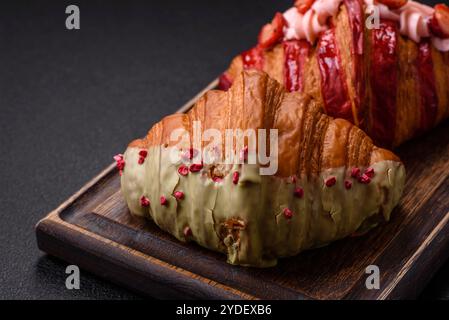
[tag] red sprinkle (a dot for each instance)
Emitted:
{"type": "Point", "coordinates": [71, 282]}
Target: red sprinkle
{"type": "Point", "coordinates": [143, 153]}
{"type": "Point", "coordinates": [183, 170]}
{"type": "Point", "coordinates": [288, 214]}
{"type": "Point", "coordinates": [348, 184]}
{"type": "Point", "coordinates": [217, 179]}
{"type": "Point", "coordinates": [144, 201]}
{"type": "Point", "coordinates": [164, 201]}
{"type": "Point", "coordinates": [120, 162]}
{"type": "Point", "coordinates": [118, 157]}
{"type": "Point", "coordinates": [369, 172]}
{"type": "Point", "coordinates": [355, 172]}
{"type": "Point", "coordinates": [187, 232]}
{"type": "Point", "coordinates": [235, 177]}
{"type": "Point", "coordinates": [299, 192]}
{"type": "Point", "coordinates": [330, 181]}
{"type": "Point", "coordinates": [179, 195]}
{"type": "Point", "coordinates": [364, 179]}
{"type": "Point", "coordinates": [196, 167]}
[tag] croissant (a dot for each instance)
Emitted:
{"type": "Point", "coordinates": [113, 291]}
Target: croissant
{"type": "Point", "coordinates": [330, 180]}
{"type": "Point", "coordinates": [389, 79]}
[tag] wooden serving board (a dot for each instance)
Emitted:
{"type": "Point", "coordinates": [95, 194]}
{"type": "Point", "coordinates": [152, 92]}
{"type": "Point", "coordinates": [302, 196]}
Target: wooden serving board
{"type": "Point", "coordinates": [94, 230]}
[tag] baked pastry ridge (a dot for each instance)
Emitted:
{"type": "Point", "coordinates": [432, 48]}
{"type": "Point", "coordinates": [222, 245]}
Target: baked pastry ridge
{"type": "Point", "coordinates": [331, 180]}
{"type": "Point", "coordinates": [389, 79]}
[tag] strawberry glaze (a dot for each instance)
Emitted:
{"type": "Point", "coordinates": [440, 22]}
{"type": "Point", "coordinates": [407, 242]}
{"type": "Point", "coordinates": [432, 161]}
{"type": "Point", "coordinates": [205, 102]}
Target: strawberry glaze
{"type": "Point", "coordinates": [333, 83]}
{"type": "Point", "coordinates": [427, 87]}
{"type": "Point", "coordinates": [296, 53]}
{"type": "Point", "coordinates": [383, 80]}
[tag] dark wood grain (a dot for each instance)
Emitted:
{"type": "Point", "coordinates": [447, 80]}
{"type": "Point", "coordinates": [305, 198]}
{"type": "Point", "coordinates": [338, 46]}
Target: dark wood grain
{"type": "Point", "coordinates": [95, 230]}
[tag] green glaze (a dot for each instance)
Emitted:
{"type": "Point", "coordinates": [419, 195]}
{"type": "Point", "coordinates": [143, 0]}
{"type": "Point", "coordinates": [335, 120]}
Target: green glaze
{"type": "Point", "coordinates": [323, 215]}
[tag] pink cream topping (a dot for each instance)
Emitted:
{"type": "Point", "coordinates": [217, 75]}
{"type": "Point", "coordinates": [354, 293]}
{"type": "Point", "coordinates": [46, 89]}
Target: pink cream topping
{"type": "Point", "coordinates": [309, 25]}
{"type": "Point", "coordinates": [413, 19]}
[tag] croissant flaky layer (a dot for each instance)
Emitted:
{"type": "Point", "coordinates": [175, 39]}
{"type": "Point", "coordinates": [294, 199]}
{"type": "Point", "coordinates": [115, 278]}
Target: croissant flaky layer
{"type": "Point", "coordinates": [392, 87]}
{"type": "Point", "coordinates": [331, 181]}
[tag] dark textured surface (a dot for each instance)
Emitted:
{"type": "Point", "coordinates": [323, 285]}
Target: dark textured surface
{"type": "Point", "coordinates": [71, 99]}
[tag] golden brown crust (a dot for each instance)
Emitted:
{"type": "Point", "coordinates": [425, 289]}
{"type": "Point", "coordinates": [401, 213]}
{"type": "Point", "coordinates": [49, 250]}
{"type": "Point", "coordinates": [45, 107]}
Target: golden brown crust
{"type": "Point", "coordinates": [312, 78]}
{"type": "Point", "coordinates": [309, 141]}
{"type": "Point", "coordinates": [344, 39]}
{"type": "Point", "coordinates": [408, 110]}
{"type": "Point", "coordinates": [236, 67]}
{"type": "Point", "coordinates": [274, 64]}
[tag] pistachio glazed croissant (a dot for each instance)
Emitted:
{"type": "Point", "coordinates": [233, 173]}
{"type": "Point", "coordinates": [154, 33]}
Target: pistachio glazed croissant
{"type": "Point", "coordinates": [391, 78]}
{"type": "Point", "coordinates": [330, 182]}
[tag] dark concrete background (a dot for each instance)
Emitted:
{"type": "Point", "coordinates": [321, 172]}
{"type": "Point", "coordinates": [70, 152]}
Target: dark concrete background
{"type": "Point", "coordinates": [69, 100]}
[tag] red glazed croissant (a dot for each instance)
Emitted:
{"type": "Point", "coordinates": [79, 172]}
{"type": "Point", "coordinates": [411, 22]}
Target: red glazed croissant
{"type": "Point", "coordinates": [330, 182]}
{"type": "Point", "coordinates": [390, 79]}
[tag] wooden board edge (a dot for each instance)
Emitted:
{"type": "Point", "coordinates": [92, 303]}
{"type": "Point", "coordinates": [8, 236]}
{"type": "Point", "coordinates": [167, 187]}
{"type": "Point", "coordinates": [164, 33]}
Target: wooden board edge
{"type": "Point", "coordinates": [417, 271]}
{"type": "Point", "coordinates": [147, 272]}
{"type": "Point", "coordinates": [77, 194]}
{"type": "Point", "coordinates": [405, 285]}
